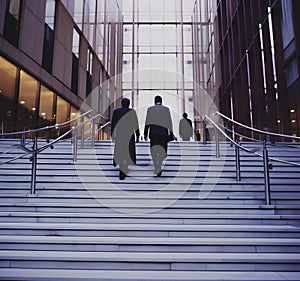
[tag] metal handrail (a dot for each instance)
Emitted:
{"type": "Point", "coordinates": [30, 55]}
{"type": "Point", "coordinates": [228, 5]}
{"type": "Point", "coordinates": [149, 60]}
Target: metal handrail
{"type": "Point", "coordinates": [35, 150]}
{"type": "Point", "coordinates": [257, 130]}
{"type": "Point", "coordinates": [47, 127]}
{"type": "Point", "coordinates": [264, 156]}
{"type": "Point", "coordinates": [81, 126]}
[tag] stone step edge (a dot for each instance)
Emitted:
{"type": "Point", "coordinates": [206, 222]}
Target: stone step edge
{"type": "Point", "coordinates": [151, 257]}
{"type": "Point", "coordinates": [150, 227]}
{"type": "Point", "coordinates": [187, 241]}
{"type": "Point", "coordinates": [186, 216]}
{"type": "Point", "coordinates": [113, 275]}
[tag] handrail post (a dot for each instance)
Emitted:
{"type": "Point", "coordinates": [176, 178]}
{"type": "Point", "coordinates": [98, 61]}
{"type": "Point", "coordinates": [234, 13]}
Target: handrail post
{"type": "Point", "coordinates": [217, 143]}
{"type": "Point", "coordinates": [23, 138]}
{"type": "Point", "coordinates": [266, 174]}
{"type": "Point", "coordinates": [82, 132]}
{"type": "Point", "coordinates": [2, 129]}
{"type": "Point", "coordinates": [204, 132]}
{"type": "Point", "coordinates": [33, 166]}
{"type": "Point", "coordinates": [237, 163]}
{"type": "Point", "coordinates": [93, 133]}
{"type": "Point", "coordinates": [75, 136]}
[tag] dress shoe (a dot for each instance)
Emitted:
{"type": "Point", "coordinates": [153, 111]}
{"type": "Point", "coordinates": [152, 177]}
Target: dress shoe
{"type": "Point", "coordinates": [122, 175]}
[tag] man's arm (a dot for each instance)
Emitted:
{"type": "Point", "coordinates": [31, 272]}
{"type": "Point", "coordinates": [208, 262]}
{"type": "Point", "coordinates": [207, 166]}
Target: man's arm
{"type": "Point", "coordinates": [113, 125]}
{"type": "Point", "coordinates": [136, 126]}
{"type": "Point", "coordinates": [146, 130]}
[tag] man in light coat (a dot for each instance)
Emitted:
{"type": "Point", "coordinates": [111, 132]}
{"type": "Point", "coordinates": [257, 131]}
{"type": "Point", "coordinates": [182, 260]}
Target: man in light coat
{"type": "Point", "coordinates": [159, 128]}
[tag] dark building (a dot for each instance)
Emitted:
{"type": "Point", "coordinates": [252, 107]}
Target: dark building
{"type": "Point", "coordinates": [53, 53]}
{"type": "Point", "coordinates": [259, 58]}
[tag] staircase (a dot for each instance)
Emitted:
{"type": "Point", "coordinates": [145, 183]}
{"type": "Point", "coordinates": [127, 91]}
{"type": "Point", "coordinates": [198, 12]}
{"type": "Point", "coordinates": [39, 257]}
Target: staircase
{"type": "Point", "coordinates": [195, 222]}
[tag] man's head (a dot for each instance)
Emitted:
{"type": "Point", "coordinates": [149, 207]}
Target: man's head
{"type": "Point", "coordinates": [185, 115]}
{"type": "Point", "coordinates": [158, 99]}
{"type": "Point", "coordinates": [125, 102]}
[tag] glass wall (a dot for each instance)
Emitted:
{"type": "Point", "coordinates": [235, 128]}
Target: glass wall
{"type": "Point", "coordinates": [93, 18]}
{"type": "Point", "coordinates": [46, 108]}
{"type": "Point", "coordinates": [27, 103]}
{"type": "Point", "coordinates": [12, 21]}
{"type": "Point", "coordinates": [8, 74]}
{"type": "Point", "coordinates": [157, 55]}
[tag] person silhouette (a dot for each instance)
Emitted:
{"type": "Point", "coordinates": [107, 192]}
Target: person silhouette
{"type": "Point", "coordinates": [185, 127]}
{"type": "Point", "coordinates": [124, 132]}
{"type": "Point", "coordinates": [159, 128]}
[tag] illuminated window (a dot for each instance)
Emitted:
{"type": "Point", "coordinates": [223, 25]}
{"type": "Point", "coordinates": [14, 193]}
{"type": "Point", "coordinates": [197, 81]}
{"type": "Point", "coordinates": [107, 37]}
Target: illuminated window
{"type": "Point", "coordinates": [62, 110]}
{"type": "Point", "coordinates": [28, 96]}
{"type": "Point", "coordinates": [46, 104]}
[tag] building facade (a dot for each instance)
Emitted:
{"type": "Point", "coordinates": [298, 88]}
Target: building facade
{"type": "Point", "coordinates": [53, 54]}
{"type": "Point", "coordinates": [258, 49]}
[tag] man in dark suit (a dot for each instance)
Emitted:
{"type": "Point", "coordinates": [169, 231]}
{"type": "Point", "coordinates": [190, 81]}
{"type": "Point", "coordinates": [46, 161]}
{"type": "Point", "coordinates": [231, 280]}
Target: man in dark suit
{"type": "Point", "coordinates": [159, 127]}
{"type": "Point", "coordinates": [125, 132]}
{"type": "Point", "coordinates": [185, 127]}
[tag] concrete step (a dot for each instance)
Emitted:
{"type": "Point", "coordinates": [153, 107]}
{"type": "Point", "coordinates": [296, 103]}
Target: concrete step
{"type": "Point", "coordinates": [106, 206]}
{"type": "Point", "coordinates": [143, 275]}
{"type": "Point", "coordinates": [148, 244]}
{"type": "Point", "coordinates": [150, 230]}
{"type": "Point", "coordinates": [151, 261]}
{"type": "Point", "coordinates": [203, 219]}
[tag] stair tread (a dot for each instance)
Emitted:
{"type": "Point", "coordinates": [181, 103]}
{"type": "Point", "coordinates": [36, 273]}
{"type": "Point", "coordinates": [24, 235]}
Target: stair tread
{"type": "Point", "coordinates": [113, 275]}
{"type": "Point", "coordinates": [151, 257]}
{"type": "Point", "coordinates": [152, 226]}
{"type": "Point", "coordinates": [149, 240]}
{"type": "Point", "coordinates": [145, 216]}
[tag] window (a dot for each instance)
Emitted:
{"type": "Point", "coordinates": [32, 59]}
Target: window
{"type": "Point", "coordinates": [75, 60]}
{"type": "Point", "coordinates": [89, 68]}
{"type": "Point", "coordinates": [78, 13]}
{"type": "Point", "coordinates": [50, 13]}
{"type": "Point", "coordinates": [8, 74]}
{"type": "Point", "coordinates": [62, 110]}
{"type": "Point", "coordinates": [12, 21]}
{"type": "Point", "coordinates": [49, 35]}
{"type": "Point", "coordinates": [287, 26]}
{"type": "Point", "coordinates": [27, 102]}
{"type": "Point", "coordinates": [46, 114]}
{"type": "Point", "coordinates": [291, 73]}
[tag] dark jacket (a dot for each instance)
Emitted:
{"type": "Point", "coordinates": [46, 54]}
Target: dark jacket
{"type": "Point", "coordinates": [124, 127]}
{"type": "Point", "coordinates": [185, 128]}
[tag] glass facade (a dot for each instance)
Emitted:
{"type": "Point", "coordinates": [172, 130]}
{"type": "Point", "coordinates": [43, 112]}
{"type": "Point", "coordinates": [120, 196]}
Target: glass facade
{"type": "Point", "coordinates": [157, 54]}
{"type": "Point", "coordinates": [27, 103]}
{"type": "Point", "coordinates": [257, 56]}
{"type": "Point", "coordinates": [12, 21]}
{"type": "Point", "coordinates": [243, 54]}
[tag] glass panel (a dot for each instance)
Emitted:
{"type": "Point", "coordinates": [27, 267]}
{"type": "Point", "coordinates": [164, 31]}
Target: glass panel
{"type": "Point", "coordinates": [287, 26]}
{"type": "Point", "coordinates": [76, 42]}
{"type": "Point", "coordinates": [27, 109]}
{"type": "Point", "coordinates": [46, 104]}
{"type": "Point", "coordinates": [50, 13]}
{"type": "Point", "coordinates": [74, 113]}
{"type": "Point", "coordinates": [8, 73]}
{"type": "Point", "coordinates": [28, 91]}
{"type": "Point", "coordinates": [89, 66]}
{"type": "Point", "coordinates": [291, 73]}
{"type": "Point", "coordinates": [78, 13]}
{"type": "Point", "coordinates": [62, 110]}
{"type": "Point", "coordinates": [14, 8]}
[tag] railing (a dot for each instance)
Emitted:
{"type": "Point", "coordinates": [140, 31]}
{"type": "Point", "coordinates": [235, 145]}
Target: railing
{"type": "Point", "coordinates": [35, 150]}
{"type": "Point", "coordinates": [220, 130]}
{"type": "Point", "coordinates": [266, 133]}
